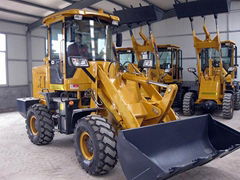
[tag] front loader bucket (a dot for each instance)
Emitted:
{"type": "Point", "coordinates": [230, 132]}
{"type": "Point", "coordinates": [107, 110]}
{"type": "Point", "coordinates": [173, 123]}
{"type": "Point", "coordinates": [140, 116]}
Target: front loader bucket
{"type": "Point", "coordinates": [163, 150]}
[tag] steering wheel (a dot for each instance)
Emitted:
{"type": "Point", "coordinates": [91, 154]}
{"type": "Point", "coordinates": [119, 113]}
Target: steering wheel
{"type": "Point", "coordinates": [216, 63]}
{"type": "Point", "coordinates": [165, 65]}
{"type": "Point", "coordinates": [124, 65]}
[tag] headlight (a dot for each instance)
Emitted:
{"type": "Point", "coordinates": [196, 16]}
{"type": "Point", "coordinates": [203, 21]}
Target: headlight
{"type": "Point", "coordinates": [115, 23]}
{"type": "Point", "coordinates": [191, 69]}
{"type": "Point", "coordinates": [78, 17]}
{"type": "Point", "coordinates": [79, 62]}
{"type": "Point", "coordinates": [231, 69]}
{"type": "Point", "coordinates": [145, 63]}
{"type": "Point", "coordinates": [148, 63]}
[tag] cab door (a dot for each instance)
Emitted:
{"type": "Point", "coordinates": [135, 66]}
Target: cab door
{"type": "Point", "coordinates": [56, 53]}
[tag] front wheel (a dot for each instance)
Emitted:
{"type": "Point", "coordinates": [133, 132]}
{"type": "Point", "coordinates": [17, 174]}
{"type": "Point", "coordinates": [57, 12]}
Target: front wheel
{"type": "Point", "coordinates": [95, 145]}
{"type": "Point", "coordinates": [39, 125]}
{"type": "Point", "coordinates": [188, 106]}
{"type": "Point", "coordinates": [228, 106]}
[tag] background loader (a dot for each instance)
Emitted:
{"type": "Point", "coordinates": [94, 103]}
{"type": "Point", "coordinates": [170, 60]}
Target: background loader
{"type": "Point", "coordinates": [169, 70]}
{"type": "Point", "coordinates": [216, 63]}
{"type": "Point", "coordinates": [166, 66]}
{"type": "Point", "coordinates": [80, 90]}
{"type": "Point", "coordinates": [216, 71]}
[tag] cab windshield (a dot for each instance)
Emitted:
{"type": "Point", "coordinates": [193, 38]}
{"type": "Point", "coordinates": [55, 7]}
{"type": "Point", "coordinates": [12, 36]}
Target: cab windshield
{"type": "Point", "coordinates": [209, 53]}
{"type": "Point", "coordinates": [89, 39]}
{"type": "Point", "coordinates": [167, 58]}
{"type": "Point", "coordinates": [127, 56]}
{"type": "Point", "coordinates": [226, 57]}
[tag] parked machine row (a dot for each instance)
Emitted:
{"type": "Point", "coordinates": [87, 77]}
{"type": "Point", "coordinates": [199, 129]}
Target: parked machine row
{"type": "Point", "coordinates": [119, 111]}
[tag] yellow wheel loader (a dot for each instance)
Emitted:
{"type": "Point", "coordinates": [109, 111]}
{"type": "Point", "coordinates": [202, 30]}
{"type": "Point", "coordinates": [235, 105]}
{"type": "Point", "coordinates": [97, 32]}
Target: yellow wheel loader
{"type": "Point", "coordinates": [164, 61]}
{"type": "Point", "coordinates": [216, 71]}
{"type": "Point", "coordinates": [216, 65]}
{"type": "Point", "coordinates": [169, 70]}
{"type": "Point", "coordinates": [80, 90]}
{"type": "Point", "coordinates": [170, 60]}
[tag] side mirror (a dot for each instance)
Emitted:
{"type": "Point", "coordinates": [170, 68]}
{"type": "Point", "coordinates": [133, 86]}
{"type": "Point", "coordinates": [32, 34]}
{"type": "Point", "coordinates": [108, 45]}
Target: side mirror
{"type": "Point", "coordinates": [231, 69]}
{"type": "Point", "coordinates": [119, 39]}
{"type": "Point", "coordinates": [191, 69]}
{"type": "Point", "coordinates": [167, 71]}
{"type": "Point", "coordinates": [145, 63]}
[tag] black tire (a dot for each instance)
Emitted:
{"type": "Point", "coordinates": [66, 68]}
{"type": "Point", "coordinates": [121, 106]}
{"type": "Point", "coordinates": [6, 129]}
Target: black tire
{"type": "Point", "coordinates": [101, 145]}
{"type": "Point", "coordinates": [237, 101]}
{"type": "Point", "coordinates": [188, 106]}
{"type": "Point", "coordinates": [43, 124]}
{"type": "Point", "coordinates": [228, 106]}
{"type": "Point", "coordinates": [178, 102]}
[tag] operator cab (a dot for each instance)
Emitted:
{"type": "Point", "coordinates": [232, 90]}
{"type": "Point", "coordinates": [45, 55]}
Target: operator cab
{"type": "Point", "coordinates": [171, 60]}
{"type": "Point", "coordinates": [81, 39]}
{"type": "Point", "coordinates": [126, 56]}
{"type": "Point", "coordinates": [207, 54]}
{"type": "Point", "coordinates": [228, 54]}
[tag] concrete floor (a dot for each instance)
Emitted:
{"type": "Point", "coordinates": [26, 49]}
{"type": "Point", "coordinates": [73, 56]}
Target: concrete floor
{"type": "Point", "coordinates": [21, 160]}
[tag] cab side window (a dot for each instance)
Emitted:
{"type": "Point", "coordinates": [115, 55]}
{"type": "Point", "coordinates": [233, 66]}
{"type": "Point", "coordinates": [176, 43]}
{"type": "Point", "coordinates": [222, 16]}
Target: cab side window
{"type": "Point", "coordinates": [56, 36]}
{"type": "Point", "coordinates": [56, 48]}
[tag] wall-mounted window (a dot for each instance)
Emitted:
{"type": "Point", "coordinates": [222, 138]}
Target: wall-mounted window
{"type": "Point", "coordinates": [3, 73]}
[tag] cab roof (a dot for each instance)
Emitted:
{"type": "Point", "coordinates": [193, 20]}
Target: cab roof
{"type": "Point", "coordinates": [125, 49]}
{"type": "Point", "coordinates": [159, 46]}
{"type": "Point", "coordinates": [68, 13]}
{"type": "Point", "coordinates": [228, 41]}
{"type": "Point", "coordinates": [173, 46]}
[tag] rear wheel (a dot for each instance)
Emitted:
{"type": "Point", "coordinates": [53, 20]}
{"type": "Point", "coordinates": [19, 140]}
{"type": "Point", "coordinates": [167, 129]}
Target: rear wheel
{"type": "Point", "coordinates": [95, 145]}
{"type": "Point", "coordinates": [188, 104]}
{"type": "Point", "coordinates": [39, 125]}
{"type": "Point", "coordinates": [237, 101]}
{"type": "Point", "coordinates": [228, 106]}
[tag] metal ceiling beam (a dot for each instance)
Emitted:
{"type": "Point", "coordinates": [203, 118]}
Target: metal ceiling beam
{"type": "Point", "coordinates": [149, 3]}
{"type": "Point", "coordinates": [91, 8]}
{"type": "Point", "coordinates": [69, 1]}
{"type": "Point", "coordinates": [96, 9]}
{"type": "Point", "coordinates": [77, 5]}
{"type": "Point", "coordinates": [35, 5]}
{"type": "Point", "coordinates": [117, 3]}
{"type": "Point", "coordinates": [19, 13]}
{"type": "Point", "coordinates": [15, 22]}
{"type": "Point", "coordinates": [167, 14]}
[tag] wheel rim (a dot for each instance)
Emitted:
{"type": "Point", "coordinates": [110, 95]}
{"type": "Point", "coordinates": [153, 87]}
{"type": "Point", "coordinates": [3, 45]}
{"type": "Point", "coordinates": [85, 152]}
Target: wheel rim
{"type": "Point", "coordinates": [33, 125]}
{"type": "Point", "coordinates": [86, 146]}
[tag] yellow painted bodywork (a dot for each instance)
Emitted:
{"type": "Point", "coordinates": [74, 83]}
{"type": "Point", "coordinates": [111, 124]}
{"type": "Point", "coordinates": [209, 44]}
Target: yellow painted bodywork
{"type": "Point", "coordinates": [212, 81]}
{"type": "Point", "coordinates": [156, 74]}
{"type": "Point", "coordinates": [60, 16]}
{"type": "Point", "coordinates": [119, 92]}
{"type": "Point", "coordinates": [84, 147]}
{"type": "Point", "coordinates": [149, 45]}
